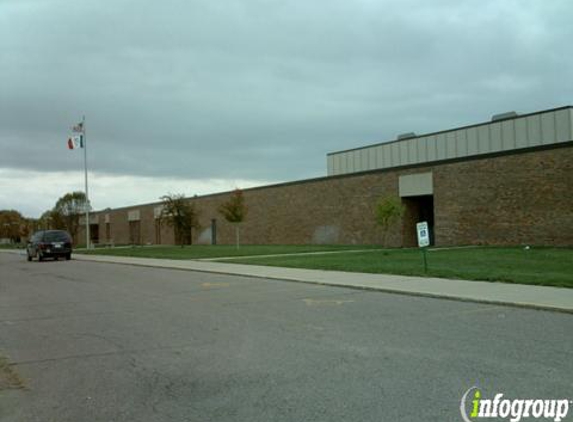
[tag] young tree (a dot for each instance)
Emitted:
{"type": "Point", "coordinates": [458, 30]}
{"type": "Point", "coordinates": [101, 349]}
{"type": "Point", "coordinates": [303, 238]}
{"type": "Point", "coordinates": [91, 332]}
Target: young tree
{"type": "Point", "coordinates": [181, 215]}
{"type": "Point", "coordinates": [387, 212]}
{"type": "Point", "coordinates": [235, 212]}
{"type": "Point", "coordinates": [67, 211]}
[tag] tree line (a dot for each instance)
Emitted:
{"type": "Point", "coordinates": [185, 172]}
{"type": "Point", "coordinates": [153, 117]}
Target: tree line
{"type": "Point", "coordinates": [65, 215]}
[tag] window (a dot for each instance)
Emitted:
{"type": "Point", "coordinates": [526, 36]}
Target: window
{"type": "Point", "coordinates": [56, 236]}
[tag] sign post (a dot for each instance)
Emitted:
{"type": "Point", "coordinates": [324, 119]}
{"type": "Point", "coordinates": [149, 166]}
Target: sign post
{"type": "Point", "coordinates": [423, 240]}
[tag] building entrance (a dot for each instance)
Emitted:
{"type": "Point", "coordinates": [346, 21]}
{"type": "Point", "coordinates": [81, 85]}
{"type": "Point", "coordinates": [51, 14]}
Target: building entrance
{"type": "Point", "coordinates": [416, 209]}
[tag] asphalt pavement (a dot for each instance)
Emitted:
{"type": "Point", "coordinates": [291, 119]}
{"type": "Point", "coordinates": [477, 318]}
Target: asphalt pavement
{"type": "Point", "coordinates": [107, 342]}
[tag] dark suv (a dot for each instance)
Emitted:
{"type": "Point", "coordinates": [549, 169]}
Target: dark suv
{"type": "Point", "coordinates": [49, 243]}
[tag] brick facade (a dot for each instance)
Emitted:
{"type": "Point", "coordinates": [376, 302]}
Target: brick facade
{"type": "Point", "coordinates": [525, 197]}
{"type": "Point", "coordinates": [515, 199]}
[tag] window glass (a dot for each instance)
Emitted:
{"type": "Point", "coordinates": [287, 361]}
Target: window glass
{"type": "Point", "coordinates": [56, 236]}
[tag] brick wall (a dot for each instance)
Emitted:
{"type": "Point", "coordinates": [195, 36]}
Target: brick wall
{"type": "Point", "coordinates": [522, 198]}
{"type": "Point", "coordinates": [326, 211]}
{"type": "Point", "coordinates": [515, 199]}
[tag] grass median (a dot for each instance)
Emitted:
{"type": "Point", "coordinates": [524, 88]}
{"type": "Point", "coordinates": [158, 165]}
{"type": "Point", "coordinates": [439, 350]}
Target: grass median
{"type": "Point", "coordinates": [540, 266]}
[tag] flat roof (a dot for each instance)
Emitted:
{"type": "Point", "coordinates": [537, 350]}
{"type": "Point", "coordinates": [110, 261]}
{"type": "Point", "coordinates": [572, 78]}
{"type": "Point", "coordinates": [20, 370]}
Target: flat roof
{"type": "Point", "coordinates": [519, 116]}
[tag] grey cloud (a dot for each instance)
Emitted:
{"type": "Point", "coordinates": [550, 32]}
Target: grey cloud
{"type": "Point", "coordinates": [263, 89]}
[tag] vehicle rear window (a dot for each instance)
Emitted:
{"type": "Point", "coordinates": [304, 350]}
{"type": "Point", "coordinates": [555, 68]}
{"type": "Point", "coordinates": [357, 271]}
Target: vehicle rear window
{"type": "Point", "coordinates": [56, 237]}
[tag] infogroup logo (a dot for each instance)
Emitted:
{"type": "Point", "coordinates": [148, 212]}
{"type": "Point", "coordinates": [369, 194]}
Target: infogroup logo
{"type": "Point", "coordinates": [474, 407]}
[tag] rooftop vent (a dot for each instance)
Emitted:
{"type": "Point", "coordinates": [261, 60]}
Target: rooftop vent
{"type": "Point", "coordinates": [406, 136]}
{"type": "Point", "coordinates": [504, 116]}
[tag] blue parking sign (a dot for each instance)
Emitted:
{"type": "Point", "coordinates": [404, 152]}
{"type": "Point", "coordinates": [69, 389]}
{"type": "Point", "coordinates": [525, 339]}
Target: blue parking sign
{"type": "Point", "coordinates": [423, 234]}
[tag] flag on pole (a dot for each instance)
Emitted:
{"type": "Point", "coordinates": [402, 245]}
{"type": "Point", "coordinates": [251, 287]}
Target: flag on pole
{"type": "Point", "coordinates": [79, 141]}
{"type": "Point", "coordinates": [79, 127]}
{"type": "Point", "coordinates": [75, 142]}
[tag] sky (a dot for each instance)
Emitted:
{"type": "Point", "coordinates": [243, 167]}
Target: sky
{"type": "Point", "coordinates": [202, 96]}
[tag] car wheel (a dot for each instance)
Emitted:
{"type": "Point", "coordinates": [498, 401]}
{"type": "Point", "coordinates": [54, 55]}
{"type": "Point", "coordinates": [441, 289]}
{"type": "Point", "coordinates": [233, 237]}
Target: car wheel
{"type": "Point", "coordinates": [29, 257]}
{"type": "Point", "coordinates": [40, 256]}
{"type": "Point", "coordinates": [68, 256]}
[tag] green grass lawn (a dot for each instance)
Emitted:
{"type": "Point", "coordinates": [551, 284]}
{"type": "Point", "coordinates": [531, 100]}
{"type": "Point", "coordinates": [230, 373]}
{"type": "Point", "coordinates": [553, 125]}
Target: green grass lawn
{"type": "Point", "coordinates": [219, 251]}
{"type": "Point", "coordinates": [542, 266]}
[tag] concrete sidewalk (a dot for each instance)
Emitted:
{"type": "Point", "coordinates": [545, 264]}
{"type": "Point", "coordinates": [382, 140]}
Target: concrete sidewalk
{"type": "Point", "coordinates": [549, 298]}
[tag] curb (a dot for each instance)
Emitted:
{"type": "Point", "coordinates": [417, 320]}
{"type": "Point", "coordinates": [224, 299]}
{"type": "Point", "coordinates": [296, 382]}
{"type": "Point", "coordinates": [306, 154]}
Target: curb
{"type": "Point", "coordinates": [445, 296]}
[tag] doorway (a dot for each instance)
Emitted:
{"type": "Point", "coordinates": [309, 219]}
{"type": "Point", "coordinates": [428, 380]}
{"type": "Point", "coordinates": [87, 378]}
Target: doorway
{"type": "Point", "coordinates": [134, 232]}
{"type": "Point", "coordinates": [94, 233]}
{"type": "Point", "coordinates": [417, 209]}
{"type": "Point", "coordinates": [158, 231]}
{"type": "Point", "coordinates": [213, 231]}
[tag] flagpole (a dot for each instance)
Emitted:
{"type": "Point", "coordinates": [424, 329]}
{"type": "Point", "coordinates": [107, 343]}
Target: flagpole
{"type": "Point", "coordinates": [86, 182]}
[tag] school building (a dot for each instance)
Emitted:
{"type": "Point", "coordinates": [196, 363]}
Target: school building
{"type": "Point", "coordinates": [506, 181]}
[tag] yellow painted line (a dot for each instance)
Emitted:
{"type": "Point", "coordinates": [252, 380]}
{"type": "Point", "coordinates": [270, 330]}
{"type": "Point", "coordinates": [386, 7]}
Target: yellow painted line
{"type": "Point", "coordinates": [210, 285]}
{"type": "Point", "coordinates": [465, 312]}
{"type": "Point", "coordinates": [327, 302]}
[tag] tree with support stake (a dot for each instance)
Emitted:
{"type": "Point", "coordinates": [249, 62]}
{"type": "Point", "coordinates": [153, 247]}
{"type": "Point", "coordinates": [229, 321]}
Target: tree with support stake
{"type": "Point", "coordinates": [388, 212]}
{"type": "Point", "coordinates": [235, 212]}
